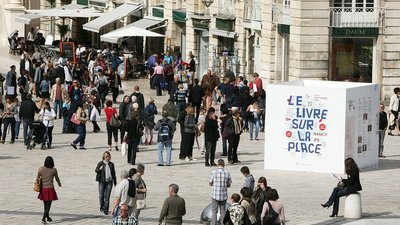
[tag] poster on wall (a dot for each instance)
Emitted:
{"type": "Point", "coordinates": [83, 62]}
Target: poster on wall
{"type": "Point", "coordinates": [309, 132]}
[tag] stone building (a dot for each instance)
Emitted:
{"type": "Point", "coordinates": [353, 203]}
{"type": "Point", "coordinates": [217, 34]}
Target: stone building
{"type": "Point", "coordinates": [343, 40]}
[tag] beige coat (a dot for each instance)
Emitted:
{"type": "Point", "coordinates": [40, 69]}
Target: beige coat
{"type": "Point", "coordinates": [64, 93]}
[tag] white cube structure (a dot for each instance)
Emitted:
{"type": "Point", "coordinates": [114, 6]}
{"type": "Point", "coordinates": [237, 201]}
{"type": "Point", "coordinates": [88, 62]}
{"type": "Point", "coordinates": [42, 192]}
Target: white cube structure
{"type": "Point", "coordinates": [315, 125]}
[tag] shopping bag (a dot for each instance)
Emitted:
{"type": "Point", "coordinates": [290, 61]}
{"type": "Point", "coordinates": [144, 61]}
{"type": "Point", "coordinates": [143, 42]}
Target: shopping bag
{"type": "Point", "coordinates": [124, 148]}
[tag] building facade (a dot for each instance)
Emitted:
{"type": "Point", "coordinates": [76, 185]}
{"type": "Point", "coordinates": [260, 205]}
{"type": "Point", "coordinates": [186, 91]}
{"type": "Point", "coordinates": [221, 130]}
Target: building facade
{"type": "Point", "coordinates": [282, 40]}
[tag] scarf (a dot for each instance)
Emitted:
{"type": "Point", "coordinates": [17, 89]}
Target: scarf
{"type": "Point", "coordinates": [108, 171]}
{"type": "Point", "coordinates": [237, 125]}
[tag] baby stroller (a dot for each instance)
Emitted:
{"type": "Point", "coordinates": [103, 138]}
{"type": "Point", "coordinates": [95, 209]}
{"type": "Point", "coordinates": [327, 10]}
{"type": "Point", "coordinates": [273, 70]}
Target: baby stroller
{"type": "Point", "coordinates": [37, 135]}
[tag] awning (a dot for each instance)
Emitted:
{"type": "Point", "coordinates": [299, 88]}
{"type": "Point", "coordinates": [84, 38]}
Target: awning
{"type": "Point", "coordinates": [68, 11]}
{"type": "Point", "coordinates": [138, 28]}
{"type": "Point", "coordinates": [222, 33]}
{"type": "Point", "coordinates": [122, 11]}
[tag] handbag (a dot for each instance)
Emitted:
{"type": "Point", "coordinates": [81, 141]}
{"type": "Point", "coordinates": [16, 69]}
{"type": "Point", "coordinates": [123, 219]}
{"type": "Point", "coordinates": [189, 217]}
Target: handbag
{"type": "Point", "coordinates": [140, 203]}
{"type": "Point", "coordinates": [75, 120]}
{"type": "Point", "coordinates": [271, 215]}
{"type": "Point", "coordinates": [341, 185]}
{"type": "Point", "coordinates": [114, 122]}
{"type": "Point", "coordinates": [38, 184]}
{"type": "Point", "coordinates": [124, 148]}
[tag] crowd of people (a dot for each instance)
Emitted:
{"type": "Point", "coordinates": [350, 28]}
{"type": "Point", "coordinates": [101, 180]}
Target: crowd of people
{"type": "Point", "coordinates": [76, 91]}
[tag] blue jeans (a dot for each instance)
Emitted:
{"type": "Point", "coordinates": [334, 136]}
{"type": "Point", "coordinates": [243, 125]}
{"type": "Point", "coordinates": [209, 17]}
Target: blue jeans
{"type": "Point", "coordinates": [215, 206]}
{"type": "Point", "coordinates": [168, 145]}
{"type": "Point", "coordinates": [254, 123]}
{"type": "Point", "coordinates": [81, 130]}
{"type": "Point", "coordinates": [58, 107]}
{"type": "Point", "coordinates": [17, 127]}
{"type": "Point", "coordinates": [132, 147]}
{"type": "Point", "coordinates": [104, 195]}
{"type": "Point", "coordinates": [334, 198]}
{"type": "Point", "coordinates": [27, 130]}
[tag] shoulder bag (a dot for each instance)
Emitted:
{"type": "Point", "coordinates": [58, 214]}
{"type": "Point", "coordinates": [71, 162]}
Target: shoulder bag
{"type": "Point", "coordinates": [75, 120]}
{"type": "Point", "coordinates": [38, 184]}
{"type": "Point", "coordinates": [271, 215]}
{"type": "Point", "coordinates": [114, 122]}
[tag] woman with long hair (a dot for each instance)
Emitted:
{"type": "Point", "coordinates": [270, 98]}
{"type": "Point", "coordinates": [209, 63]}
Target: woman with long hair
{"type": "Point", "coordinates": [351, 186]}
{"type": "Point", "coordinates": [253, 115]}
{"type": "Point", "coordinates": [260, 197]}
{"type": "Point", "coordinates": [234, 125]}
{"type": "Point", "coordinates": [105, 175]}
{"type": "Point", "coordinates": [47, 193]}
{"type": "Point", "coordinates": [44, 89]}
{"type": "Point", "coordinates": [47, 115]}
{"type": "Point", "coordinates": [272, 200]}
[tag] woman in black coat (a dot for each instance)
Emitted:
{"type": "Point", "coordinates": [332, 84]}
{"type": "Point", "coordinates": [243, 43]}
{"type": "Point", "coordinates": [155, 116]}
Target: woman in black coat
{"type": "Point", "coordinates": [211, 136]}
{"type": "Point", "coordinates": [105, 175]}
{"type": "Point", "coordinates": [351, 186]}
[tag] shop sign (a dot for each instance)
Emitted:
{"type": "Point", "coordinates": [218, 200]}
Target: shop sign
{"type": "Point", "coordinates": [355, 32]}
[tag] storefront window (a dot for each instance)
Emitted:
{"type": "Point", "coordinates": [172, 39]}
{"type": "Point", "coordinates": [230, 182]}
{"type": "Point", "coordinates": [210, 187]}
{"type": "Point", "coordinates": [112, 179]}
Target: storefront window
{"type": "Point", "coordinates": [226, 46]}
{"type": "Point", "coordinates": [352, 59]}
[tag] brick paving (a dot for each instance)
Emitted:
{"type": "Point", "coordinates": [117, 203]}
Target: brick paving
{"type": "Point", "coordinates": [300, 192]}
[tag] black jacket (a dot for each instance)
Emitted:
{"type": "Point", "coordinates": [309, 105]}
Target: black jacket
{"type": "Point", "coordinates": [101, 172]}
{"type": "Point", "coordinates": [211, 130]}
{"type": "Point", "coordinates": [60, 73]}
{"type": "Point", "coordinates": [353, 181]}
{"type": "Point", "coordinates": [28, 109]}
{"type": "Point", "coordinates": [140, 99]}
{"type": "Point", "coordinates": [196, 95]}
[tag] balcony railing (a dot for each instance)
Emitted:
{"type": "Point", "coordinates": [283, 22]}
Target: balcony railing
{"type": "Point", "coordinates": [253, 10]}
{"type": "Point", "coordinates": [357, 17]}
{"type": "Point", "coordinates": [227, 8]}
{"type": "Point", "coordinates": [280, 14]}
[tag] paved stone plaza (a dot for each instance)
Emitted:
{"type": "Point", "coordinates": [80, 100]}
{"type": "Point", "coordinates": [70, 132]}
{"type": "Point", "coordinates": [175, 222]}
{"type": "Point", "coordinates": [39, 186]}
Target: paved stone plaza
{"type": "Point", "coordinates": [300, 192]}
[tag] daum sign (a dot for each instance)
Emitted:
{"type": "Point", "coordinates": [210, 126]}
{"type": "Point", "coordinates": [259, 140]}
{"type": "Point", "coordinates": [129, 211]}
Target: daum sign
{"type": "Point", "coordinates": [355, 32]}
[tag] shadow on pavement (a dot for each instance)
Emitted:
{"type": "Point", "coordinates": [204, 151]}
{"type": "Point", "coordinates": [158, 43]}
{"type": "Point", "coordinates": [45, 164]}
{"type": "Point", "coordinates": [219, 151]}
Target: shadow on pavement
{"type": "Point", "coordinates": [388, 164]}
{"type": "Point", "coordinates": [342, 220]}
{"type": "Point", "coordinates": [4, 157]}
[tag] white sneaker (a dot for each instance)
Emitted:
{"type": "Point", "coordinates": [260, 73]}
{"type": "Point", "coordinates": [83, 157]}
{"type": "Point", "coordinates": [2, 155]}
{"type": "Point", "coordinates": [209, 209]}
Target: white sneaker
{"type": "Point", "coordinates": [194, 159]}
{"type": "Point", "coordinates": [187, 159]}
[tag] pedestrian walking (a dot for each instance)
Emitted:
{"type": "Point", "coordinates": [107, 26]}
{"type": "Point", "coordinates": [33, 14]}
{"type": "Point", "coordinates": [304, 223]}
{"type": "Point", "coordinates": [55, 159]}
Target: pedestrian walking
{"type": "Point", "coordinates": [141, 190]}
{"type": "Point", "coordinates": [47, 194]}
{"type": "Point", "coordinates": [234, 126]}
{"type": "Point", "coordinates": [211, 136]}
{"type": "Point", "coordinates": [47, 116]}
{"type": "Point", "coordinates": [158, 77]}
{"type": "Point", "coordinates": [112, 130]}
{"type": "Point", "coordinates": [150, 112]}
{"type": "Point", "coordinates": [124, 218]}
{"type": "Point", "coordinates": [190, 132]}
{"type": "Point", "coordinates": [134, 132]}
{"type": "Point", "coordinates": [82, 116]}
{"type": "Point", "coordinates": [165, 128]}
{"type": "Point", "coordinates": [383, 124]}
{"type": "Point", "coordinates": [272, 202]}
{"type": "Point", "coordinates": [220, 180]}
{"type": "Point", "coordinates": [58, 96]}
{"type": "Point", "coordinates": [253, 116]}
{"type": "Point", "coordinates": [10, 109]}
{"type": "Point", "coordinates": [174, 207]}
{"type": "Point", "coordinates": [27, 113]}
{"type": "Point", "coordinates": [105, 175]}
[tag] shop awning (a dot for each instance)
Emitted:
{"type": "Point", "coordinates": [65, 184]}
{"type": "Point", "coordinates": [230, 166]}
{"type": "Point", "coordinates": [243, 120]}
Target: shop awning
{"type": "Point", "coordinates": [136, 29]}
{"type": "Point", "coordinates": [67, 11]}
{"type": "Point", "coordinates": [179, 16]}
{"type": "Point", "coordinates": [122, 11]}
{"type": "Point", "coordinates": [222, 33]}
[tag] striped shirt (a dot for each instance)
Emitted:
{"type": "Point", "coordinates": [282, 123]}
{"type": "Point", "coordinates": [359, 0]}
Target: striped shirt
{"type": "Point", "coordinates": [221, 180]}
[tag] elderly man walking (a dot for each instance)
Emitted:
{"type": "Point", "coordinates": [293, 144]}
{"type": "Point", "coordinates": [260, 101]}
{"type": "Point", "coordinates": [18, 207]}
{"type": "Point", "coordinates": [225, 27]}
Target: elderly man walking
{"type": "Point", "coordinates": [173, 208]}
{"type": "Point", "coordinates": [220, 181]}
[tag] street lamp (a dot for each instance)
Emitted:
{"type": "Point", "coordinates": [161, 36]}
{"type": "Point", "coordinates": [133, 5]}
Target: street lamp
{"type": "Point", "coordinates": [207, 3]}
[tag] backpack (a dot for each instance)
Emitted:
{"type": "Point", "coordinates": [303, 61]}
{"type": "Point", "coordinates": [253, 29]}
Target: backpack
{"type": "Point", "coordinates": [164, 131]}
{"type": "Point", "coordinates": [132, 189]}
{"type": "Point", "coordinates": [271, 215]}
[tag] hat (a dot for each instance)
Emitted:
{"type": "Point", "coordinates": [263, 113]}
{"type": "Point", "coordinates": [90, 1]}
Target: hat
{"type": "Point", "coordinates": [12, 67]}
